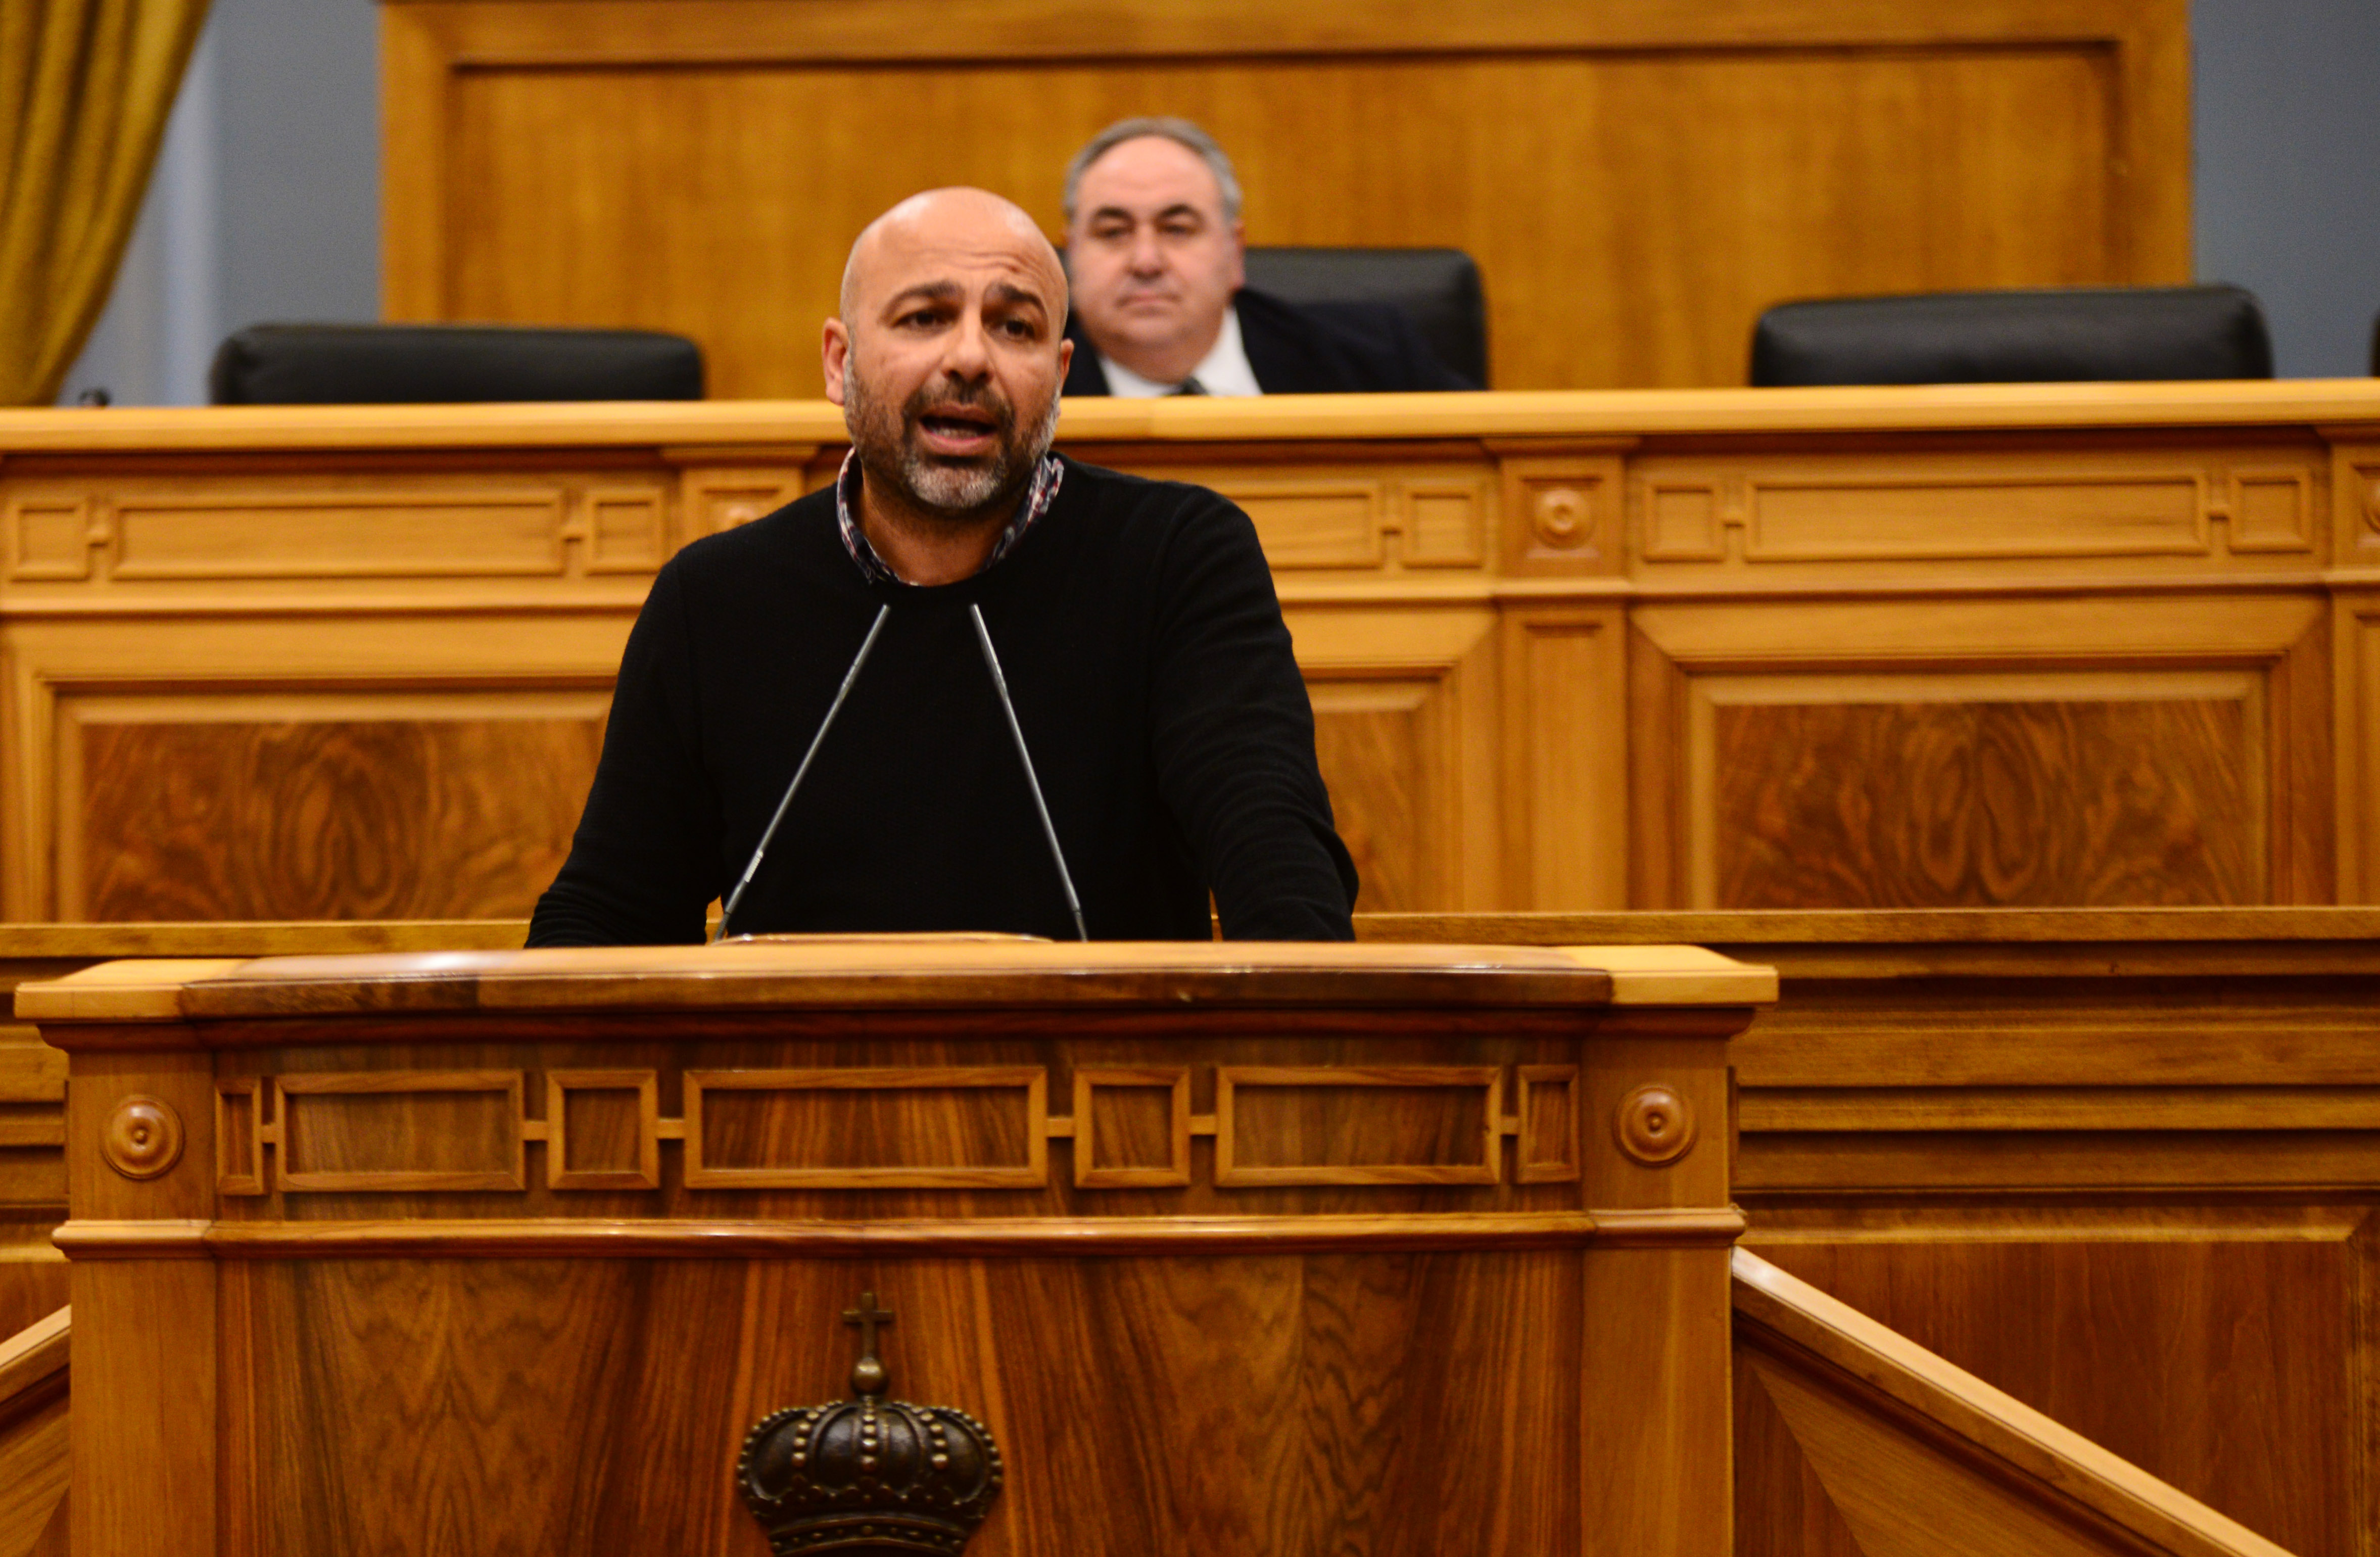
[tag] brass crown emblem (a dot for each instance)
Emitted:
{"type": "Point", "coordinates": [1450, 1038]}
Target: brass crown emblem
{"type": "Point", "coordinates": [868, 1474]}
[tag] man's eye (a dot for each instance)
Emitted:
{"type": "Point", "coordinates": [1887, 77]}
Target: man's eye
{"type": "Point", "coordinates": [1020, 328]}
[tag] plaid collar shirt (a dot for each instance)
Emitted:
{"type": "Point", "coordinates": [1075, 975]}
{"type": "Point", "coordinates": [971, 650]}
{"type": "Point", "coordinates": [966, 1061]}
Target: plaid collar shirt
{"type": "Point", "coordinates": [1038, 498]}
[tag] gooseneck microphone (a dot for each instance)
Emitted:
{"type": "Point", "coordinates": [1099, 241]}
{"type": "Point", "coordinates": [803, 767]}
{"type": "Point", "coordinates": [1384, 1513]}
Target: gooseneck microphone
{"type": "Point", "coordinates": [999, 684]}
{"type": "Point", "coordinates": [753, 867]}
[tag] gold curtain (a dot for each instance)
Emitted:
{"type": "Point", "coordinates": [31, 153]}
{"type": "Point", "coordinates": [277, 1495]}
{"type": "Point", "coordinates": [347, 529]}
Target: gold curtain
{"type": "Point", "coordinates": [85, 86]}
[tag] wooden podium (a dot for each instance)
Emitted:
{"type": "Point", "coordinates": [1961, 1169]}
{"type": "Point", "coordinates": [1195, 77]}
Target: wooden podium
{"type": "Point", "coordinates": [1231, 1249]}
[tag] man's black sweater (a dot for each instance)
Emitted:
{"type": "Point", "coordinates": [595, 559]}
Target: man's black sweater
{"type": "Point", "coordinates": [1142, 644]}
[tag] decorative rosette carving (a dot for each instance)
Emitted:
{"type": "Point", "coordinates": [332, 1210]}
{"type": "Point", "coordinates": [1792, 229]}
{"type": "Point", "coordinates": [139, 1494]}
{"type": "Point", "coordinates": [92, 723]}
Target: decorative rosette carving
{"type": "Point", "coordinates": [142, 1138]}
{"type": "Point", "coordinates": [1654, 1125]}
{"type": "Point", "coordinates": [868, 1474]}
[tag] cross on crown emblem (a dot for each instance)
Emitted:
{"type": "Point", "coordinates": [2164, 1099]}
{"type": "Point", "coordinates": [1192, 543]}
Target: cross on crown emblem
{"type": "Point", "coordinates": [868, 1474]}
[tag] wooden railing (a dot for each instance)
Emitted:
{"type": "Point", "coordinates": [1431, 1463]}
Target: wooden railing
{"type": "Point", "coordinates": [1844, 1429]}
{"type": "Point", "coordinates": [33, 1440]}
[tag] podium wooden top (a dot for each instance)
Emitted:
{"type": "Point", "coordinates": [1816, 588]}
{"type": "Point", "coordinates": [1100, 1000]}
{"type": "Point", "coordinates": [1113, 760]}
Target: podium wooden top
{"type": "Point", "coordinates": [894, 973]}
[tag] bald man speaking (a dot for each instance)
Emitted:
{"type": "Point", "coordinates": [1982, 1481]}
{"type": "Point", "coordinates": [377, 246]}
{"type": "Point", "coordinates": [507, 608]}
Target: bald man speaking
{"type": "Point", "coordinates": [1161, 724]}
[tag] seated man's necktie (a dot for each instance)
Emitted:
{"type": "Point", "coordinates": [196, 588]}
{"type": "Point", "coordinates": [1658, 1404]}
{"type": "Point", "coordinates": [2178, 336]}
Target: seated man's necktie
{"type": "Point", "coordinates": [1187, 386]}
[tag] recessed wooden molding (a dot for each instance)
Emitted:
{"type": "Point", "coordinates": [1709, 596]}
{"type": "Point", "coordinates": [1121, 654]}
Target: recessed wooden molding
{"type": "Point", "coordinates": [1547, 1127]}
{"type": "Point", "coordinates": [1030, 1082]}
{"type": "Point", "coordinates": [1231, 1081]}
{"type": "Point", "coordinates": [309, 1117]}
{"type": "Point", "coordinates": [1174, 1081]}
{"type": "Point", "coordinates": [642, 1169]}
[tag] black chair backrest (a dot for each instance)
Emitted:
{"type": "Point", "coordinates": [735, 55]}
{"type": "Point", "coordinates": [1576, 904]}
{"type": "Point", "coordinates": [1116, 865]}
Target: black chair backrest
{"type": "Point", "coordinates": [448, 364]}
{"type": "Point", "coordinates": [2033, 336]}
{"type": "Point", "coordinates": [2376, 348]}
{"type": "Point", "coordinates": [1436, 289]}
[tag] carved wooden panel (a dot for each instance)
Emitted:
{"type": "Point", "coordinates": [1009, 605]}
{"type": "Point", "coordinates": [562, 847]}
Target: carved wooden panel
{"type": "Point", "coordinates": [420, 525]}
{"type": "Point", "coordinates": [1405, 716]}
{"type": "Point", "coordinates": [2092, 802]}
{"type": "Point", "coordinates": [602, 1130]}
{"type": "Point", "coordinates": [2167, 509]}
{"type": "Point", "coordinates": [2224, 1364]}
{"type": "Point", "coordinates": [1132, 1127]}
{"type": "Point", "coordinates": [1326, 1409]}
{"type": "Point", "coordinates": [717, 498]}
{"type": "Point", "coordinates": [1321, 517]}
{"type": "Point", "coordinates": [1297, 1125]}
{"type": "Point", "coordinates": [978, 1127]}
{"type": "Point", "coordinates": [1381, 744]}
{"type": "Point", "coordinates": [940, 1126]}
{"type": "Point", "coordinates": [1564, 516]}
{"type": "Point", "coordinates": [2358, 670]}
{"type": "Point", "coordinates": [397, 1130]}
{"type": "Point", "coordinates": [1564, 772]}
{"type": "Point", "coordinates": [313, 807]}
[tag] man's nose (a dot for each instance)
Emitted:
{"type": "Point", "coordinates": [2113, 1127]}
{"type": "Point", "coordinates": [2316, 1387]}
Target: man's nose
{"type": "Point", "coordinates": [970, 349]}
{"type": "Point", "coordinates": [1147, 256]}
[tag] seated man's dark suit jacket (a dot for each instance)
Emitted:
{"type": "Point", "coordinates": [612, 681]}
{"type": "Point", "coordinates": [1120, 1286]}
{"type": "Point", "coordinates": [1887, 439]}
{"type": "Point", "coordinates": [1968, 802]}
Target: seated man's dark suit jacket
{"type": "Point", "coordinates": [1313, 348]}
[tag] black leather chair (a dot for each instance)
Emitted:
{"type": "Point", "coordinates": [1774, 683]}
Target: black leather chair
{"type": "Point", "coordinates": [448, 364]}
{"type": "Point", "coordinates": [2033, 336]}
{"type": "Point", "coordinates": [2376, 348]}
{"type": "Point", "coordinates": [1436, 289]}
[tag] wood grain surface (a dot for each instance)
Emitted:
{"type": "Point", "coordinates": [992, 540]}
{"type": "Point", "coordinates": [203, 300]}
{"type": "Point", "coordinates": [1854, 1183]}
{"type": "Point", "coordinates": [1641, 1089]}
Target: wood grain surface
{"type": "Point", "coordinates": [1709, 161]}
{"type": "Point", "coordinates": [1862, 1440]}
{"type": "Point", "coordinates": [447, 819]}
{"type": "Point", "coordinates": [1989, 805]}
{"type": "Point", "coordinates": [1924, 636]}
{"type": "Point", "coordinates": [2214, 1363]}
{"type": "Point", "coordinates": [1242, 1405]}
{"type": "Point", "coordinates": [34, 1381]}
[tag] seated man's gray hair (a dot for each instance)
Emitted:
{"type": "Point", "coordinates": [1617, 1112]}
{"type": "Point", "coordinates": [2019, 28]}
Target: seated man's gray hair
{"type": "Point", "coordinates": [1181, 131]}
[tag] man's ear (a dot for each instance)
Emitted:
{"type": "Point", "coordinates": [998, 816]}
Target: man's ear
{"type": "Point", "coordinates": [1239, 255]}
{"type": "Point", "coordinates": [1065, 359]}
{"type": "Point", "coordinates": [836, 351]}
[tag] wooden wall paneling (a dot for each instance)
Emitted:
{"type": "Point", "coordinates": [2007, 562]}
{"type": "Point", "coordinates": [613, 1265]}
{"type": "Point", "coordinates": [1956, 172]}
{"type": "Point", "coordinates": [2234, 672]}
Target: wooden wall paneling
{"type": "Point", "coordinates": [1709, 162]}
{"type": "Point", "coordinates": [1566, 756]}
{"type": "Point", "coordinates": [1405, 728]}
{"type": "Point", "coordinates": [1871, 510]}
{"type": "Point", "coordinates": [283, 767]}
{"type": "Point", "coordinates": [2355, 662]}
{"type": "Point", "coordinates": [314, 803]}
{"type": "Point", "coordinates": [1659, 824]}
{"type": "Point", "coordinates": [716, 497]}
{"type": "Point", "coordinates": [2007, 737]}
{"type": "Point", "coordinates": [280, 527]}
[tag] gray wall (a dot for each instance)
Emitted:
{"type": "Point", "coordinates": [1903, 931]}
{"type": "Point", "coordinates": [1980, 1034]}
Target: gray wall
{"type": "Point", "coordinates": [266, 204]}
{"type": "Point", "coordinates": [266, 200]}
{"type": "Point", "coordinates": [2288, 170]}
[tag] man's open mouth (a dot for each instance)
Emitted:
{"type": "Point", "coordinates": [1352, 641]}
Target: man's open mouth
{"type": "Point", "coordinates": [958, 429]}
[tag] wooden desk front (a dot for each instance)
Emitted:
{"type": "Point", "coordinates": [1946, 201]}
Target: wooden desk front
{"type": "Point", "coordinates": [1236, 1249]}
{"type": "Point", "coordinates": [2079, 645]}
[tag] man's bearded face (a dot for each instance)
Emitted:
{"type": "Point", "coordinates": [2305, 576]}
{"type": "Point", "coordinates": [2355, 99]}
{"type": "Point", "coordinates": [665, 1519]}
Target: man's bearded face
{"type": "Point", "coordinates": [952, 447]}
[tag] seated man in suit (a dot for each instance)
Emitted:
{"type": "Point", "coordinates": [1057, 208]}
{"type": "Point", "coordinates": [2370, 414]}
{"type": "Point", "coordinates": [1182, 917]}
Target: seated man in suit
{"type": "Point", "coordinates": [1154, 252]}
